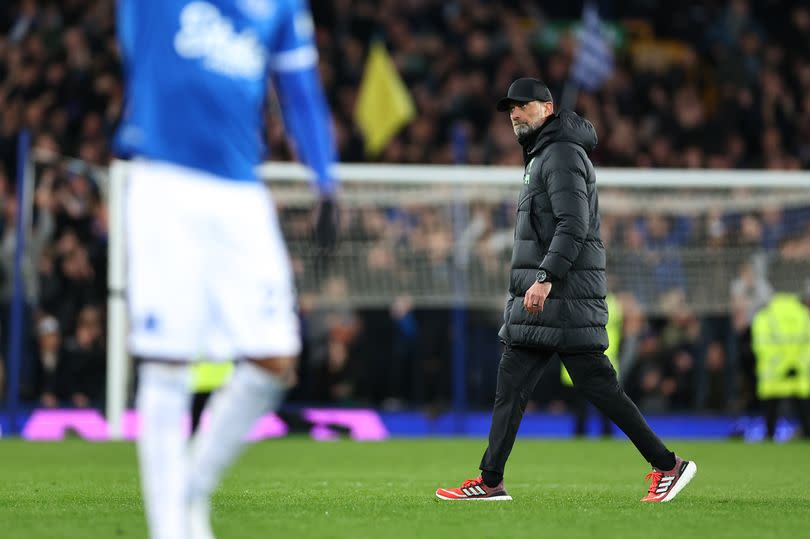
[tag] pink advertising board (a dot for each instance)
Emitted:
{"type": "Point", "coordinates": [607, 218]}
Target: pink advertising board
{"type": "Point", "coordinates": [48, 425]}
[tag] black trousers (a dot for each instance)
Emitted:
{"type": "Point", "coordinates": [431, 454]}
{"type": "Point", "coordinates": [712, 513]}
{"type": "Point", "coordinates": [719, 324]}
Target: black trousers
{"type": "Point", "coordinates": [802, 407]}
{"type": "Point", "coordinates": [579, 405]}
{"type": "Point", "coordinates": [593, 375]}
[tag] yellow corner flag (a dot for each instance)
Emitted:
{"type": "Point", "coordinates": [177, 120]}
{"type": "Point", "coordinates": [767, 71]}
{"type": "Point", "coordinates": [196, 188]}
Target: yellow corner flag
{"type": "Point", "coordinates": [384, 105]}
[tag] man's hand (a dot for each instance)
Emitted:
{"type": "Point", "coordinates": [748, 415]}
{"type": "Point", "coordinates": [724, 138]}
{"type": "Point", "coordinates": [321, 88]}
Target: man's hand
{"type": "Point", "coordinates": [536, 296]}
{"type": "Point", "coordinates": [326, 225]}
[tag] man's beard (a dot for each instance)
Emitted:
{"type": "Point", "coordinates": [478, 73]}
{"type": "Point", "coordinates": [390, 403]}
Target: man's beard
{"type": "Point", "coordinates": [524, 132]}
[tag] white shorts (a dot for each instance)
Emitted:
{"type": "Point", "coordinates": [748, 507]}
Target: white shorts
{"type": "Point", "coordinates": [209, 274]}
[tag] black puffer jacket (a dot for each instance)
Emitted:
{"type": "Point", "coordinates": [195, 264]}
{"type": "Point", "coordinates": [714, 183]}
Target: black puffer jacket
{"type": "Point", "coordinates": [557, 230]}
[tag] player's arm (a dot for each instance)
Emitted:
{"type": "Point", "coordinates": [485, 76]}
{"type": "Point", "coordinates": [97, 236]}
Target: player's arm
{"type": "Point", "coordinates": [294, 64]}
{"type": "Point", "coordinates": [125, 28]}
{"type": "Point", "coordinates": [294, 67]}
{"type": "Point", "coordinates": [127, 15]}
{"type": "Point", "coordinates": [308, 122]}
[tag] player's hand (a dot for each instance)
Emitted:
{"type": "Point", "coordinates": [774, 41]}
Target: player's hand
{"type": "Point", "coordinates": [326, 223]}
{"type": "Point", "coordinates": [535, 297]}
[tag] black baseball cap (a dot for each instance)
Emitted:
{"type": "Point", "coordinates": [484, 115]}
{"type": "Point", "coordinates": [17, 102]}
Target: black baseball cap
{"type": "Point", "coordinates": [524, 90]}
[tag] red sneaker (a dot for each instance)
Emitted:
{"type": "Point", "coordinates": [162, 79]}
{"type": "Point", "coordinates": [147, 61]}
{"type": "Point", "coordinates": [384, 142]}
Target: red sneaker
{"type": "Point", "coordinates": [474, 489]}
{"type": "Point", "coordinates": [666, 484]}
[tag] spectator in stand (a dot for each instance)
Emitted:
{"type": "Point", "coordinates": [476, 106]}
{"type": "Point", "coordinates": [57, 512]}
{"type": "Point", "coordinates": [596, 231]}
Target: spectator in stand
{"type": "Point", "coordinates": [51, 364]}
{"type": "Point", "coordinates": [84, 357]}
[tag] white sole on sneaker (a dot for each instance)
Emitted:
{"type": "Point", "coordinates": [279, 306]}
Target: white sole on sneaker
{"type": "Point", "coordinates": [683, 480]}
{"type": "Point", "coordinates": [506, 498]}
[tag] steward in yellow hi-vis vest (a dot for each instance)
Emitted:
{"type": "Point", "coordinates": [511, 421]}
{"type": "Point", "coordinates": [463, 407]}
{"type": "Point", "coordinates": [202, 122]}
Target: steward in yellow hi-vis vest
{"type": "Point", "coordinates": [206, 377]}
{"type": "Point", "coordinates": [614, 331]}
{"type": "Point", "coordinates": [780, 339]}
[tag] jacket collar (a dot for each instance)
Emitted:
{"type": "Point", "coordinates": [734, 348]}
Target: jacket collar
{"type": "Point", "coordinates": [535, 143]}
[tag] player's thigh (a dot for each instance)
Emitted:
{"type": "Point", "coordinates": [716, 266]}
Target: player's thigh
{"type": "Point", "coordinates": [253, 290]}
{"type": "Point", "coordinates": [167, 300]}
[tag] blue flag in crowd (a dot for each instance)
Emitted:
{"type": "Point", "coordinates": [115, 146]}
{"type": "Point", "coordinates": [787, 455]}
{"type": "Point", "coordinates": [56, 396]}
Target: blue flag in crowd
{"type": "Point", "coordinates": [593, 61]}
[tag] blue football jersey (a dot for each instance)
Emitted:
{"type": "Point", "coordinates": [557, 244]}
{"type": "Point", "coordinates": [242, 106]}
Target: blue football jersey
{"type": "Point", "coordinates": [197, 74]}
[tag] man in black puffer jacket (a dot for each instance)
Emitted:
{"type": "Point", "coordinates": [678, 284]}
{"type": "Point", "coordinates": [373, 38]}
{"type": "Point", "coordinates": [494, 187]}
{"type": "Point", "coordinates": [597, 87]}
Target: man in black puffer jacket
{"type": "Point", "coordinates": [557, 289]}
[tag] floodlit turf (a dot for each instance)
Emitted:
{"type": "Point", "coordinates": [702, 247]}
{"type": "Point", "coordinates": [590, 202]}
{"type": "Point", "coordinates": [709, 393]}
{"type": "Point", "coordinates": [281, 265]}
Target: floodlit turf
{"type": "Point", "coordinates": [299, 488]}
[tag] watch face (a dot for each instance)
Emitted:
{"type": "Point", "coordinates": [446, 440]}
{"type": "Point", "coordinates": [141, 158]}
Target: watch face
{"type": "Point", "coordinates": [541, 276]}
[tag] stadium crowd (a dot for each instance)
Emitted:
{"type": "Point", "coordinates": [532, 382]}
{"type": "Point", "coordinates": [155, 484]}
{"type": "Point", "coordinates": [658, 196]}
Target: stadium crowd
{"type": "Point", "coordinates": [717, 85]}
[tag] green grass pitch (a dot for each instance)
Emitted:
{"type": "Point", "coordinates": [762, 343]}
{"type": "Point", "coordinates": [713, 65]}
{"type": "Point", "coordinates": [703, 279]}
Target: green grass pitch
{"type": "Point", "coordinates": [295, 487]}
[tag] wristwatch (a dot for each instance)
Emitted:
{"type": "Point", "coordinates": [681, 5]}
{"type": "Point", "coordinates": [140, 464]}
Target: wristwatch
{"type": "Point", "coordinates": [542, 276]}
